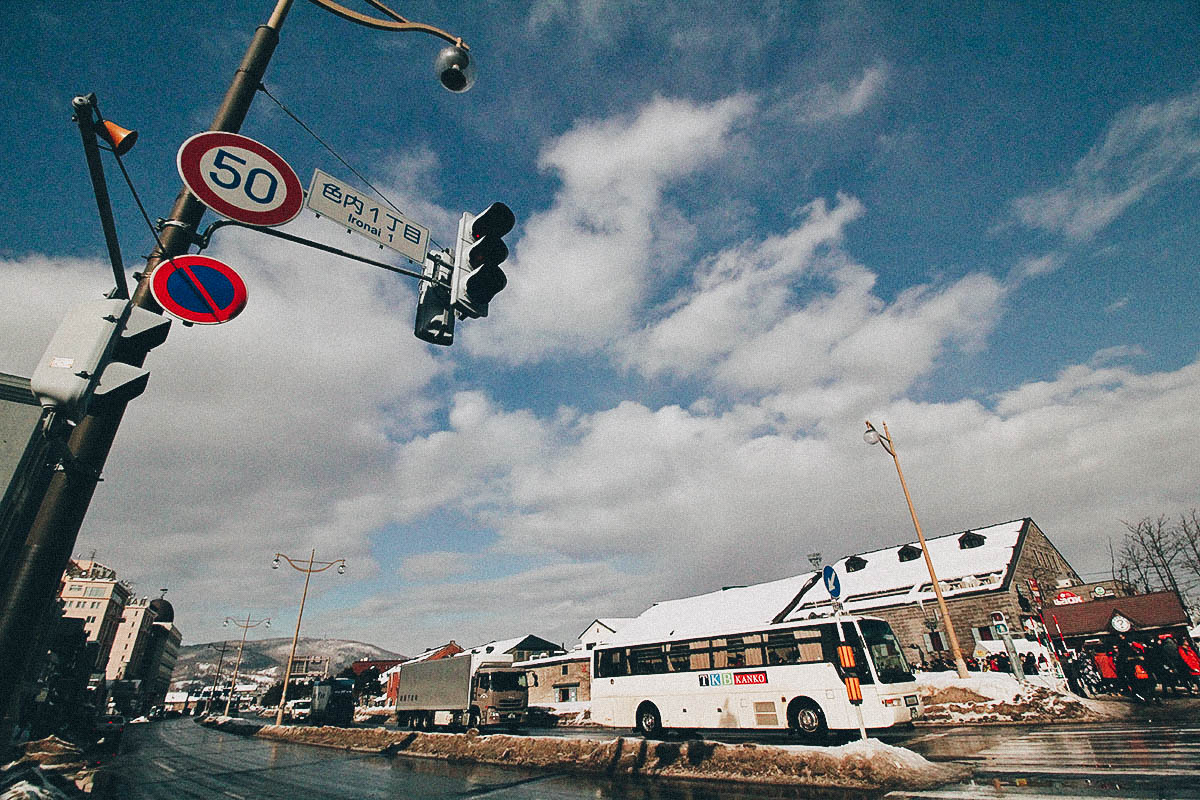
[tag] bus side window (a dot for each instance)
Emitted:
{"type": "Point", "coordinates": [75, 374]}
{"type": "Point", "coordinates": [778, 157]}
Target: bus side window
{"type": "Point", "coordinates": [810, 645]}
{"type": "Point", "coordinates": [699, 660]}
{"type": "Point", "coordinates": [781, 648]}
{"type": "Point", "coordinates": [678, 657]}
{"type": "Point", "coordinates": [753, 650]}
{"type": "Point", "coordinates": [647, 660]}
{"type": "Point", "coordinates": [720, 654]}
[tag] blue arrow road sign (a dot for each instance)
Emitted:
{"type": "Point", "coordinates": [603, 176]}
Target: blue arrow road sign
{"type": "Point", "coordinates": [832, 584]}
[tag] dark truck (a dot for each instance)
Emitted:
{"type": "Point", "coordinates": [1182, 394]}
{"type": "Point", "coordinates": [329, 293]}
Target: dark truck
{"type": "Point", "coordinates": [332, 702]}
{"type": "Point", "coordinates": [460, 691]}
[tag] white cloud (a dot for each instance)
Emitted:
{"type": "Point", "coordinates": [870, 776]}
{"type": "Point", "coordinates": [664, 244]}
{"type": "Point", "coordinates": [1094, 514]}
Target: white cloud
{"type": "Point", "coordinates": [794, 312]}
{"type": "Point", "coordinates": [1144, 148]}
{"type": "Point", "coordinates": [827, 103]}
{"type": "Point", "coordinates": [587, 262]}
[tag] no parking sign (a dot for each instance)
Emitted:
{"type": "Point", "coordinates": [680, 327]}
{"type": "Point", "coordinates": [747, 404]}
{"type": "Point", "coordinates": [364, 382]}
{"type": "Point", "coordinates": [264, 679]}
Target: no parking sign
{"type": "Point", "coordinates": [198, 289]}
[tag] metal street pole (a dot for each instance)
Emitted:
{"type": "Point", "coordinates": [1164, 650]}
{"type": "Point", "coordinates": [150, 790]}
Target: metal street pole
{"type": "Point", "coordinates": [52, 535]}
{"type": "Point", "coordinates": [212, 692]}
{"type": "Point", "coordinates": [237, 667]}
{"type": "Point", "coordinates": [287, 675]}
{"type": "Point", "coordinates": [959, 663]}
{"type": "Point", "coordinates": [308, 571]}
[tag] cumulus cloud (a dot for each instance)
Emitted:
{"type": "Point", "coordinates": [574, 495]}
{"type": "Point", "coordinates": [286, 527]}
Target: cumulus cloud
{"type": "Point", "coordinates": [586, 262]}
{"type": "Point", "coordinates": [1145, 147]}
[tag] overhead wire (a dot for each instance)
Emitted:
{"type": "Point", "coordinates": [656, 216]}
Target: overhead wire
{"type": "Point", "coordinates": [262, 88]}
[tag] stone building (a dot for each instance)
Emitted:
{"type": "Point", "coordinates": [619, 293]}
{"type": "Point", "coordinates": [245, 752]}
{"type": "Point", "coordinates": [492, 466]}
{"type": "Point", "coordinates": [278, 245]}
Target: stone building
{"type": "Point", "coordinates": [1011, 568]}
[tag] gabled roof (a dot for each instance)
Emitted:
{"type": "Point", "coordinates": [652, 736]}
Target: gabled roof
{"type": "Point", "coordinates": [612, 623]}
{"type": "Point", "coordinates": [1155, 610]}
{"type": "Point", "coordinates": [507, 646]}
{"type": "Point", "coordinates": [884, 580]}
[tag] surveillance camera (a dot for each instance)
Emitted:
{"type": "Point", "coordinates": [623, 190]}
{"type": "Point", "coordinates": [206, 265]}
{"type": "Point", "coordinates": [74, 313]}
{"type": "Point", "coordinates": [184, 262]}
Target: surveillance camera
{"type": "Point", "coordinates": [454, 69]}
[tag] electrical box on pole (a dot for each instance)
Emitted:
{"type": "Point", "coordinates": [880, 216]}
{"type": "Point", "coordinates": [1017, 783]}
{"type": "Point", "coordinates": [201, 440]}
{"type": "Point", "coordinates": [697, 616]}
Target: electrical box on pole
{"type": "Point", "coordinates": [478, 255]}
{"type": "Point", "coordinates": [87, 361]}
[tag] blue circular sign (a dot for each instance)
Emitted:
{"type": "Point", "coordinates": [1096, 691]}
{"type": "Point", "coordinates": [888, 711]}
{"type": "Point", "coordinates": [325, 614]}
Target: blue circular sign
{"type": "Point", "coordinates": [832, 584]}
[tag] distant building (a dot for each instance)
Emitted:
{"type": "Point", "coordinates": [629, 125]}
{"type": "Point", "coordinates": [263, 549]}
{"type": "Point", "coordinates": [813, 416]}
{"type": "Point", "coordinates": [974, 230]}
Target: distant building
{"type": "Point", "coordinates": [91, 591]}
{"type": "Point", "coordinates": [1097, 623]}
{"type": "Point", "coordinates": [561, 678]}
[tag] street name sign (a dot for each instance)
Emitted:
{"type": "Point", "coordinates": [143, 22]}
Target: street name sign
{"type": "Point", "coordinates": [342, 203]}
{"type": "Point", "coordinates": [240, 178]}
{"type": "Point", "coordinates": [198, 289]}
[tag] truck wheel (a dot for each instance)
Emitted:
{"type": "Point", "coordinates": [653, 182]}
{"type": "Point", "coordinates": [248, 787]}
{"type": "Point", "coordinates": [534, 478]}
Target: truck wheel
{"type": "Point", "coordinates": [473, 718]}
{"type": "Point", "coordinates": [649, 722]}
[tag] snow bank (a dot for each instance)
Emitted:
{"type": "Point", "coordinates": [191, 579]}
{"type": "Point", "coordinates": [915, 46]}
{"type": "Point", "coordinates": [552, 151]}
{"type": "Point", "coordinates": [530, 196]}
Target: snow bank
{"type": "Point", "coordinates": [868, 765]}
{"type": "Point", "coordinates": [995, 697]}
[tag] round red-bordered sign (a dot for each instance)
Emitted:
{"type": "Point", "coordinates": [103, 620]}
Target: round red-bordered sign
{"type": "Point", "coordinates": [198, 289]}
{"type": "Point", "coordinates": [240, 178]}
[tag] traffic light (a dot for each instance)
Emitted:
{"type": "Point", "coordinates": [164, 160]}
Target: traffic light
{"type": "Point", "coordinates": [86, 363]}
{"type": "Point", "coordinates": [435, 315]}
{"type": "Point", "coordinates": [999, 622]}
{"type": "Point", "coordinates": [480, 251]}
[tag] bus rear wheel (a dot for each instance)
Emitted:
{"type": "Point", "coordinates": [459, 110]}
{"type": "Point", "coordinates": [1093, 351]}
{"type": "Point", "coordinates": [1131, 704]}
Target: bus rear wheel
{"type": "Point", "coordinates": [649, 722]}
{"type": "Point", "coordinates": [806, 719]}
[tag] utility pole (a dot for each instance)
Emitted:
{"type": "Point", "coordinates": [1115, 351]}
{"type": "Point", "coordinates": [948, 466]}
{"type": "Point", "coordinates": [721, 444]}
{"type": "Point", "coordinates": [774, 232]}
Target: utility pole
{"type": "Point", "coordinates": [52, 536]}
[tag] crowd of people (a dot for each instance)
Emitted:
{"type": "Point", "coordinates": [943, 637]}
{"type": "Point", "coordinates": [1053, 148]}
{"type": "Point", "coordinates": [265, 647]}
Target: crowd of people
{"type": "Point", "coordinates": [1145, 671]}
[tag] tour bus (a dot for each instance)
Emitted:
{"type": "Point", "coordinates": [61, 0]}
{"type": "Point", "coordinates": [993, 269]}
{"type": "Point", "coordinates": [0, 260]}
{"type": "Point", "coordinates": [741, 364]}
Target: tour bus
{"type": "Point", "coordinates": [785, 677]}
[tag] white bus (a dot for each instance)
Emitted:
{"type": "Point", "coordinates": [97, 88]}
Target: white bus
{"type": "Point", "coordinates": [784, 677]}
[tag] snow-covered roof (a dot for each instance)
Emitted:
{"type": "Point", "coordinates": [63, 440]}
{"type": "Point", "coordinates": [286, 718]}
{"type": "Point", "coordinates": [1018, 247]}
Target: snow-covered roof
{"type": "Point", "coordinates": [577, 654]}
{"type": "Point", "coordinates": [883, 580]}
{"type": "Point", "coordinates": [732, 609]}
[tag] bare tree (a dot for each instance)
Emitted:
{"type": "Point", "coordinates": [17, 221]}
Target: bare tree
{"type": "Point", "coordinates": [1157, 555]}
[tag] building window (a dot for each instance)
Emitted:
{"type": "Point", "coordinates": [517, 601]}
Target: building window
{"type": "Point", "coordinates": [564, 670]}
{"type": "Point", "coordinates": [908, 553]}
{"type": "Point", "coordinates": [567, 694]}
{"type": "Point", "coordinates": [970, 539]}
{"type": "Point", "coordinates": [855, 563]}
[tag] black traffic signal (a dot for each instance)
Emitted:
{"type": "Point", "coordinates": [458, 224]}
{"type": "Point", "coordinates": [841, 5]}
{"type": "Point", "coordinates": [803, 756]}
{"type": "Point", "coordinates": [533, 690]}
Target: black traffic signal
{"type": "Point", "coordinates": [435, 315]}
{"type": "Point", "coordinates": [481, 249]}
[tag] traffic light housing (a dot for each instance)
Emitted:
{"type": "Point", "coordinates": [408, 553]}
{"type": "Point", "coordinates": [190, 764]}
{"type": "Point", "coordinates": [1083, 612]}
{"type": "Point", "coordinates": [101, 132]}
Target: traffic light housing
{"type": "Point", "coordinates": [88, 360]}
{"type": "Point", "coordinates": [435, 314]}
{"type": "Point", "coordinates": [481, 249]}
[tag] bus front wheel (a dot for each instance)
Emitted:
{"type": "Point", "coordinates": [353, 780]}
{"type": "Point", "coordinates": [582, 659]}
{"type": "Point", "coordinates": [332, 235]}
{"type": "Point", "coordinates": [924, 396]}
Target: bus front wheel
{"type": "Point", "coordinates": [649, 722]}
{"type": "Point", "coordinates": [806, 719]}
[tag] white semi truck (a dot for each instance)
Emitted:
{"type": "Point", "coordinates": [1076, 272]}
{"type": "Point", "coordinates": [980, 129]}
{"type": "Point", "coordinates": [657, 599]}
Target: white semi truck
{"type": "Point", "coordinates": [461, 691]}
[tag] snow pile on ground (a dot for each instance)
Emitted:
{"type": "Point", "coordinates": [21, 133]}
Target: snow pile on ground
{"type": "Point", "coordinates": [50, 769]}
{"type": "Point", "coordinates": [995, 697]}
{"type": "Point", "coordinates": [867, 765]}
{"type": "Point", "coordinates": [576, 713]}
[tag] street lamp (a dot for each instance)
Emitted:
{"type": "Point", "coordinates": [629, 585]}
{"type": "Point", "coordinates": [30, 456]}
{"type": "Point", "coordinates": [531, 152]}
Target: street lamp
{"type": "Point", "coordinates": [313, 566]}
{"type": "Point", "coordinates": [872, 436]}
{"type": "Point", "coordinates": [245, 626]}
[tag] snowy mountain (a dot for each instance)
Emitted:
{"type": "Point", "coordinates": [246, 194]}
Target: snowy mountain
{"type": "Point", "coordinates": [264, 660]}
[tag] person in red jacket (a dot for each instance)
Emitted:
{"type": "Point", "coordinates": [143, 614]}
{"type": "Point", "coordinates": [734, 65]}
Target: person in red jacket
{"type": "Point", "coordinates": [1192, 663]}
{"type": "Point", "coordinates": [1108, 671]}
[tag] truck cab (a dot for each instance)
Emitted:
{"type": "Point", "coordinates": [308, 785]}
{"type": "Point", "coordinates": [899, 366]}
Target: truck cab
{"type": "Point", "coordinates": [499, 695]}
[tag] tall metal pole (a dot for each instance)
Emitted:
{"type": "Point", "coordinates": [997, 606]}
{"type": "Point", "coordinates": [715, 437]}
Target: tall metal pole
{"type": "Point", "coordinates": [959, 663]}
{"type": "Point", "coordinates": [212, 692]}
{"type": "Point", "coordinates": [237, 667]}
{"type": "Point", "coordinates": [52, 535]}
{"type": "Point", "coordinates": [295, 637]}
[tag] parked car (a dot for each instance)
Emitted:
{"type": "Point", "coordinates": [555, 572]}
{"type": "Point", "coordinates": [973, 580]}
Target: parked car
{"type": "Point", "coordinates": [110, 726]}
{"type": "Point", "coordinates": [299, 709]}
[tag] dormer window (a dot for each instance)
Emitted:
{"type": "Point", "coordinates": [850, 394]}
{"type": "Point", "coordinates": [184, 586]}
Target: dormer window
{"type": "Point", "coordinates": [908, 553]}
{"type": "Point", "coordinates": [855, 563]}
{"type": "Point", "coordinates": [970, 539]}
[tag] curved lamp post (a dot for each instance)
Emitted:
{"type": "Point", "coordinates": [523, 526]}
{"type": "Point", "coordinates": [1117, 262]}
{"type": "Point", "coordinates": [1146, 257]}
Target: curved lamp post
{"type": "Point", "coordinates": [212, 692]}
{"type": "Point", "coordinates": [313, 566]}
{"type": "Point", "coordinates": [245, 626]}
{"type": "Point", "coordinates": [872, 436]}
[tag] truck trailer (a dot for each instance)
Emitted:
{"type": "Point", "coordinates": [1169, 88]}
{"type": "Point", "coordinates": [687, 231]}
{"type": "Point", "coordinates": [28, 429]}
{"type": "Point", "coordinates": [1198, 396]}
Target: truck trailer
{"type": "Point", "coordinates": [460, 691]}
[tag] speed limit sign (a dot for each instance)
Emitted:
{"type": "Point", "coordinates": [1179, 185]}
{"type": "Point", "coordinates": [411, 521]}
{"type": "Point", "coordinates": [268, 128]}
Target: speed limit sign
{"type": "Point", "coordinates": [240, 178]}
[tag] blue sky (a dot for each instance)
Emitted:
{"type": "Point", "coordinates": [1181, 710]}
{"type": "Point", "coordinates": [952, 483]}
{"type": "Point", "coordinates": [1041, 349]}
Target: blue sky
{"type": "Point", "coordinates": [742, 229]}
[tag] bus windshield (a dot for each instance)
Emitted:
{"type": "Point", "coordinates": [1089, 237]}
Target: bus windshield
{"type": "Point", "coordinates": [885, 652]}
